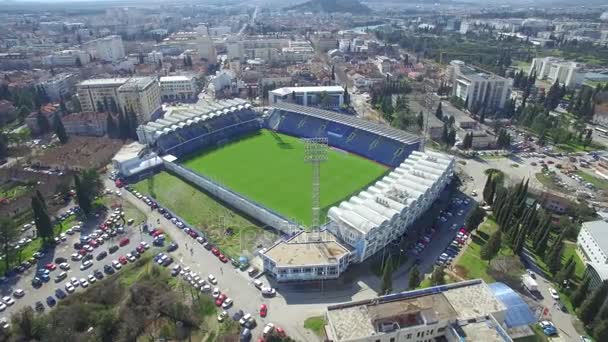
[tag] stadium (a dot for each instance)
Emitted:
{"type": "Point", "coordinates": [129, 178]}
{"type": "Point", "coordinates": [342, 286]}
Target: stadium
{"type": "Point", "coordinates": [367, 188]}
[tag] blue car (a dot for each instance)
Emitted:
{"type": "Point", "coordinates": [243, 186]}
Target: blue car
{"type": "Point", "coordinates": [59, 293]}
{"type": "Point", "coordinates": [50, 301]}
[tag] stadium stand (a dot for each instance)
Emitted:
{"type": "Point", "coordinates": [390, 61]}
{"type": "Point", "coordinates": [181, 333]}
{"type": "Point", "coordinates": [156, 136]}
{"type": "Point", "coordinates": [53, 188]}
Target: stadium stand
{"type": "Point", "coordinates": [190, 128]}
{"type": "Point", "coordinates": [383, 144]}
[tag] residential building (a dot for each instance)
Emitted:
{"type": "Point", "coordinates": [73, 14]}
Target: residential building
{"type": "Point", "coordinates": [297, 51]}
{"type": "Point", "coordinates": [478, 88]}
{"type": "Point", "coordinates": [59, 87]}
{"type": "Point", "coordinates": [49, 111]}
{"type": "Point", "coordinates": [267, 49]}
{"type": "Point", "coordinates": [328, 96]}
{"type": "Point", "coordinates": [306, 256]}
{"type": "Point", "coordinates": [179, 42]}
{"type": "Point", "coordinates": [464, 311]}
{"type": "Point", "coordinates": [86, 124]}
{"type": "Point", "coordinates": [67, 58]}
{"type": "Point", "coordinates": [386, 210]}
{"type": "Point", "coordinates": [8, 112]}
{"type": "Point", "coordinates": [592, 247]}
{"type": "Point", "coordinates": [178, 88]}
{"type": "Point", "coordinates": [14, 60]}
{"type": "Point", "coordinates": [567, 73]}
{"type": "Point", "coordinates": [141, 94]}
{"type": "Point", "coordinates": [109, 49]}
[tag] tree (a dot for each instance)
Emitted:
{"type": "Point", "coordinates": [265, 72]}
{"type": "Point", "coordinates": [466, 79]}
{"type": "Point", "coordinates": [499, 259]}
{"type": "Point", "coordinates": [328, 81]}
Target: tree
{"type": "Point", "coordinates": [325, 100]}
{"type": "Point", "coordinates": [414, 279]}
{"type": "Point", "coordinates": [59, 129]}
{"type": "Point", "coordinates": [566, 272]}
{"type": "Point", "coordinates": [78, 62]}
{"type": "Point", "coordinates": [600, 332]}
{"type": "Point", "coordinates": [387, 276]}
{"type": "Point", "coordinates": [420, 121]}
{"type": "Point", "coordinates": [438, 276]}
{"type": "Point", "coordinates": [580, 294]}
{"type": "Point", "coordinates": [554, 257]}
{"type": "Point", "coordinates": [475, 218]}
{"type": "Point", "coordinates": [490, 249]}
{"type": "Point", "coordinates": [346, 96]}
{"type": "Point", "coordinates": [487, 188]}
{"type": "Point", "coordinates": [590, 307]}
{"type": "Point", "coordinates": [87, 185]}
{"type": "Point", "coordinates": [3, 145]}
{"type": "Point", "coordinates": [111, 127]}
{"type": "Point", "coordinates": [43, 122]}
{"type": "Point", "coordinates": [9, 232]}
{"type": "Point", "coordinates": [44, 226]}
{"type": "Point", "coordinates": [439, 112]}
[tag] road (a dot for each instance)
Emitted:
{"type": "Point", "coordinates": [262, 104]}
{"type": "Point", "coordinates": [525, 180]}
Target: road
{"type": "Point", "coordinates": [250, 22]}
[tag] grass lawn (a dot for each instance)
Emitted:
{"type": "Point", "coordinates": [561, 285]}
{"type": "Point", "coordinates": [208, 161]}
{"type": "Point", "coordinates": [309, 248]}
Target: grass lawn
{"type": "Point", "coordinates": [315, 324]}
{"type": "Point", "coordinates": [199, 209]}
{"type": "Point", "coordinates": [13, 190]}
{"type": "Point", "coordinates": [269, 168]}
{"type": "Point", "coordinates": [597, 182]}
{"type": "Point", "coordinates": [547, 181]}
{"type": "Point", "coordinates": [470, 265]}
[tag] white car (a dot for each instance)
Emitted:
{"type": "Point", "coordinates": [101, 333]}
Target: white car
{"type": "Point", "coordinates": [212, 279]}
{"type": "Point", "coordinates": [84, 282]}
{"type": "Point", "coordinates": [269, 328]}
{"type": "Point", "coordinates": [144, 245]}
{"type": "Point", "coordinates": [76, 257]}
{"type": "Point", "coordinates": [74, 281]}
{"type": "Point", "coordinates": [222, 316]}
{"type": "Point", "coordinates": [245, 319]}
{"type": "Point", "coordinates": [216, 292]}
{"type": "Point", "coordinates": [227, 303]}
{"type": "Point", "coordinates": [18, 293]}
{"type": "Point", "coordinates": [130, 257]}
{"type": "Point", "coordinates": [4, 323]}
{"type": "Point", "coordinates": [86, 265]}
{"type": "Point", "coordinates": [116, 264]}
{"type": "Point", "coordinates": [8, 300]}
{"type": "Point", "coordinates": [2, 307]}
{"type": "Point", "coordinates": [91, 278]}
{"type": "Point", "coordinates": [69, 287]}
{"type": "Point", "coordinates": [205, 288]}
{"type": "Point", "coordinates": [554, 293]}
{"type": "Point", "coordinates": [64, 266]}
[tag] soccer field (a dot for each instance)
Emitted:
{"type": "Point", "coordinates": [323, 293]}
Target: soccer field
{"type": "Point", "coordinates": [269, 168]}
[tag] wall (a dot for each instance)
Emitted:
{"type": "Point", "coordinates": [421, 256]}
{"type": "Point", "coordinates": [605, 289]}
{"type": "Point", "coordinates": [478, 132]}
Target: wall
{"type": "Point", "coordinates": [256, 211]}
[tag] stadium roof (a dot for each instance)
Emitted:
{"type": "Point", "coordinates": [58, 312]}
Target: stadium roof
{"type": "Point", "coordinates": [394, 194]}
{"type": "Point", "coordinates": [383, 130]}
{"type": "Point", "coordinates": [182, 115]}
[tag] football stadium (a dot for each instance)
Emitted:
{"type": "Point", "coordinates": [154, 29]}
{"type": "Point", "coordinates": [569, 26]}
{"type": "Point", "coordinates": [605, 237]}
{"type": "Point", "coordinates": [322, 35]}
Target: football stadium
{"type": "Point", "coordinates": [371, 179]}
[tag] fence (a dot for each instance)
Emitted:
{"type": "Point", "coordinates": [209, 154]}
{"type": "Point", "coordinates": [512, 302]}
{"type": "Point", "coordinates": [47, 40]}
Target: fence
{"type": "Point", "coordinates": [260, 213]}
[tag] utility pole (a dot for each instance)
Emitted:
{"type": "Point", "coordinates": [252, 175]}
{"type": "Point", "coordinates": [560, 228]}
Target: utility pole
{"type": "Point", "coordinates": [315, 152]}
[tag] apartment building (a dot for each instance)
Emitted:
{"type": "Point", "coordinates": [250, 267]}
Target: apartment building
{"type": "Point", "coordinates": [477, 88]}
{"type": "Point", "coordinates": [464, 311]}
{"type": "Point", "coordinates": [386, 210]}
{"type": "Point", "coordinates": [67, 58]}
{"type": "Point", "coordinates": [179, 42]}
{"type": "Point", "coordinates": [178, 88]}
{"type": "Point", "coordinates": [297, 51]}
{"type": "Point", "coordinates": [306, 256]}
{"type": "Point", "coordinates": [327, 96]}
{"type": "Point", "coordinates": [60, 87]}
{"type": "Point", "coordinates": [592, 247]}
{"type": "Point", "coordinates": [554, 69]}
{"type": "Point", "coordinates": [86, 124]}
{"type": "Point", "coordinates": [109, 49]}
{"type": "Point", "coordinates": [264, 49]}
{"type": "Point", "coordinates": [141, 94]}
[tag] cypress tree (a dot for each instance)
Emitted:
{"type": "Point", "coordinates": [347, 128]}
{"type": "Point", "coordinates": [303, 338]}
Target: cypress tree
{"type": "Point", "coordinates": [492, 192]}
{"type": "Point", "coordinates": [414, 279]}
{"type": "Point", "coordinates": [492, 246]}
{"type": "Point", "coordinates": [566, 272]}
{"type": "Point", "coordinates": [520, 241]}
{"type": "Point", "coordinates": [580, 294]}
{"type": "Point", "coordinates": [59, 129]}
{"type": "Point", "coordinates": [554, 257]}
{"type": "Point", "coordinates": [487, 188]}
{"type": "Point", "coordinates": [541, 246]}
{"type": "Point", "coordinates": [600, 331]}
{"type": "Point", "coordinates": [590, 307]}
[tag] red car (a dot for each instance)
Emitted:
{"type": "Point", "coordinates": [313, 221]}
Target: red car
{"type": "Point", "coordinates": [123, 260]}
{"type": "Point", "coordinates": [193, 234]}
{"type": "Point", "coordinates": [280, 332]}
{"type": "Point", "coordinates": [220, 300]}
{"type": "Point", "coordinates": [140, 249]}
{"type": "Point", "coordinates": [94, 243]}
{"type": "Point", "coordinates": [215, 251]}
{"type": "Point", "coordinates": [82, 252]}
{"type": "Point", "coordinates": [50, 266]}
{"type": "Point", "coordinates": [123, 242]}
{"type": "Point", "coordinates": [223, 258]}
{"type": "Point", "coordinates": [157, 232]}
{"type": "Point", "coordinates": [119, 183]}
{"type": "Point", "coordinates": [263, 310]}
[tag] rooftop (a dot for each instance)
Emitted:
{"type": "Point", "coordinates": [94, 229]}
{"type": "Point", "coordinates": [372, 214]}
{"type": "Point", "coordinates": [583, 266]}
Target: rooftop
{"type": "Point", "coordinates": [289, 90]}
{"type": "Point", "coordinates": [486, 331]}
{"type": "Point", "coordinates": [117, 82]}
{"type": "Point", "coordinates": [599, 231]}
{"type": "Point", "coordinates": [307, 249]}
{"type": "Point", "coordinates": [176, 78]}
{"type": "Point", "coordinates": [135, 83]}
{"type": "Point", "coordinates": [474, 301]}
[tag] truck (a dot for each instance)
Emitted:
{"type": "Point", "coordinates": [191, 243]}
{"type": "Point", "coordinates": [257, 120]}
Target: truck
{"type": "Point", "coordinates": [529, 283]}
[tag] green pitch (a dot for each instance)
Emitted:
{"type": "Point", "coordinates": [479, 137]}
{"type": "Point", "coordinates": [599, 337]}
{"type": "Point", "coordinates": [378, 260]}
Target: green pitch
{"type": "Point", "coordinates": [269, 168]}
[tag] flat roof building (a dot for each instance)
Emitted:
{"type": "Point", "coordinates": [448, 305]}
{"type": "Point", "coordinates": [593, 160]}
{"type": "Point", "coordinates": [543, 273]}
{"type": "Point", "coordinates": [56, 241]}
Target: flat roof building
{"type": "Point", "coordinates": [326, 97]}
{"type": "Point", "coordinates": [592, 246]}
{"type": "Point", "coordinates": [477, 88]}
{"type": "Point", "coordinates": [464, 311]}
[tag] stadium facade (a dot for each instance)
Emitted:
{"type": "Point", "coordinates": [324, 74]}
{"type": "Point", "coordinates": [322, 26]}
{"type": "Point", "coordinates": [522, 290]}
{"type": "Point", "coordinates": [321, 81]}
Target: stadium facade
{"type": "Point", "coordinates": [357, 228]}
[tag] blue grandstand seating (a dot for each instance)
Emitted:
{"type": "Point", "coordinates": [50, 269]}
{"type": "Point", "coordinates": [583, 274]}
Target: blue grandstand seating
{"type": "Point", "coordinates": [370, 145]}
{"type": "Point", "coordinates": [192, 138]}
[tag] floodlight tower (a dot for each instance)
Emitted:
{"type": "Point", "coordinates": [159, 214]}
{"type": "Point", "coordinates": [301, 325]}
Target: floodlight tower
{"type": "Point", "coordinates": [429, 101]}
{"type": "Point", "coordinates": [315, 152]}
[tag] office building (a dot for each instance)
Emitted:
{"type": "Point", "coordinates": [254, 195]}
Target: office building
{"type": "Point", "coordinates": [67, 58]}
{"type": "Point", "coordinates": [62, 86]}
{"type": "Point", "coordinates": [178, 88]}
{"type": "Point", "coordinates": [109, 49]}
{"type": "Point", "coordinates": [306, 256]}
{"type": "Point", "coordinates": [477, 88]}
{"type": "Point", "coordinates": [465, 311]}
{"type": "Point", "coordinates": [386, 210]}
{"type": "Point", "coordinates": [327, 96]}
{"type": "Point", "coordinates": [557, 69]}
{"type": "Point", "coordinates": [141, 94]}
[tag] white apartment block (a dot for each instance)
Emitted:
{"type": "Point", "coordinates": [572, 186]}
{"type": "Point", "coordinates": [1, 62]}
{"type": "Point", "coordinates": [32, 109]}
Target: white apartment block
{"type": "Point", "coordinates": [141, 94]}
{"type": "Point", "coordinates": [265, 49]}
{"type": "Point", "coordinates": [178, 88]}
{"type": "Point", "coordinates": [62, 86]}
{"type": "Point", "coordinates": [308, 96]}
{"type": "Point", "coordinates": [67, 58]}
{"type": "Point", "coordinates": [557, 69]}
{"type": "Point", "coordinates": [464, 311]}
{"type": "Point", "coordinates": [475, 87]}
{"type": "Point", "coordinates": [297, 51]}
{"type": "Point", "coordinates": [306, 256]}
{"type": "Point", "coordinates": [386, 210]}
{"type": "Point", "coordinates": [109, 49]}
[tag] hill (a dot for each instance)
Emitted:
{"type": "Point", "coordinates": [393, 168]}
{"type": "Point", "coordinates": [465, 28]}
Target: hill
{"type": "Point", "coordinates": [332, 6]}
